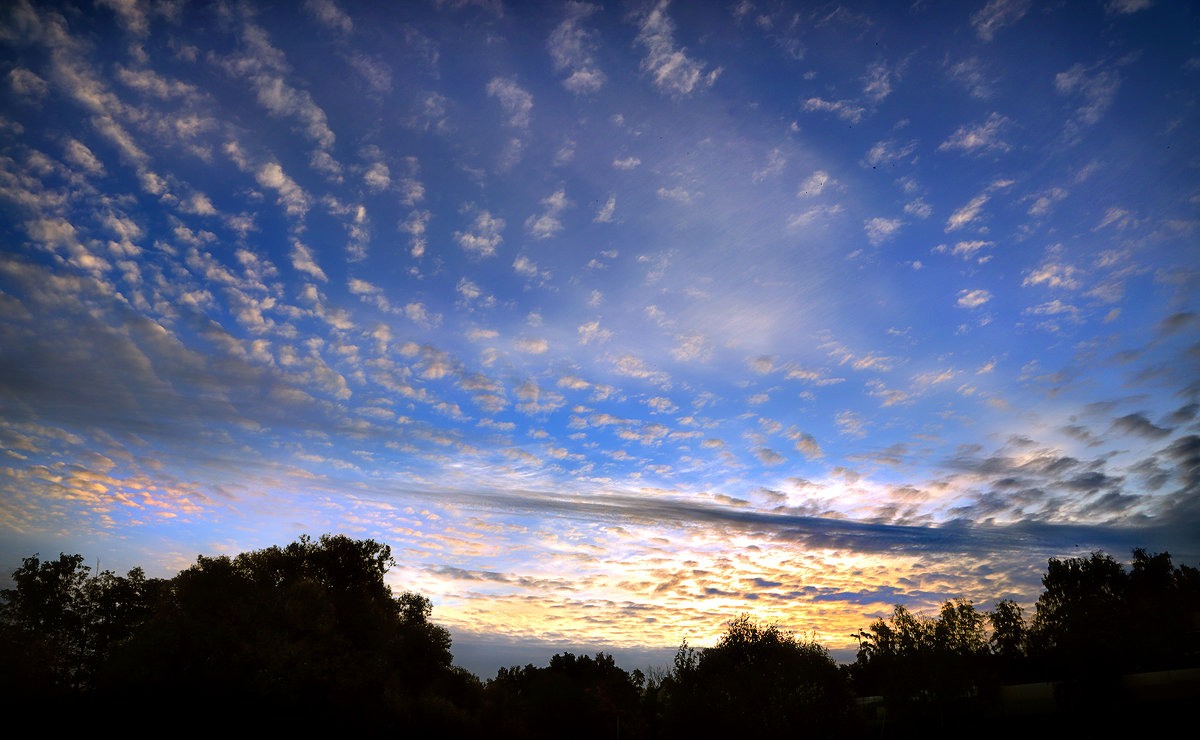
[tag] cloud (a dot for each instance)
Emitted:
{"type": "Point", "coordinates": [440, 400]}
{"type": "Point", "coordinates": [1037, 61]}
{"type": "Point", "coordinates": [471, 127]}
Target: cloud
{"type": "Point", "coordinates": [880, 230]}
{"type": "Point", "coordinates": [813, 215]}
{"type": "Point", "coordinates": [815, 184]}
{"type": "Point", "coordinates": [967, 213]}
{"type": "Point", "coordinates": [264, 67]}
{"type": "Point", "coordinates": [1125, 7]}
{"type": "Point", "coordinates": [690, 347]}
{"type": "Point", "coordinates": [1093, 87]}
{"type": "Point", "coordinates": [329, 15]}
{"type": "Point", "coordinates": [965, 249]}
{"type": "Point", "coordinates": [81, 156]}
{"type": "Point", "coordinates": [1053, 275]}
{"type": "Point", "coordinates": [377, 178]}
{"type": "Point", "coordinates": [673, 71]}
{"type": "Point", "coordinates": [679, 194]}
{"type": "Point", "coordinates": [592, 333]}
{"type": "Point", "coordinates": [767, 456]}
{"type": "Point", "coordinates": [531, 345]}
{"type": "Point", "coordinates": [304, 261]}
{"type": "Point", "coordinates": [605, 214]}
{"type": "Point", "coordinates": [843, 109]}
{"type": "Point", "coordinates": [547, 224]}
{"type": "Point", "coordinates": [628, 163]}
{"type": "Point", "coordinates": [969, 73]}
{"type": "Point", "coordinates": [293, 199]}
{"type": "Point", "coordinates": [27, 83]}
{"type": "Point", "coordinates": [805, 444]}
{"type": "Point", "coordinates": [776, 160]}
{"type": "Point", "coordinates": [982, 137]}
{"type": "Point", "coordinates": [850, 424]}
{"type": "Point", "coordinates": [1141, 426]}
{"type": "Point", "coordinates": [1045, 201]}
{"type": "Point", "coordinates": [877, 84]}
{"type": "Point", "coordinates": [484, 236]}
{"type": "Point", "coordinates": [131, 14]}
{"type": "Point", "coordinates": [888, 152]}
{"type": "Point", "coordinates": [996, 15]}
{"type": "Point", "coordinates": [571, 45]}
{"type": "Point", "coordinates": [634, 367]}
{"type": "Point", "coordinates": [918, 208]}
{"type": "Point", "coordinates": [517, 103]}
{"type": "Point", "coordinates": [973, 298]}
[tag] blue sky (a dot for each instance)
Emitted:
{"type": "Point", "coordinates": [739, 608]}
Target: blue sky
{"type": "Point", "coordinates": [614, 321]}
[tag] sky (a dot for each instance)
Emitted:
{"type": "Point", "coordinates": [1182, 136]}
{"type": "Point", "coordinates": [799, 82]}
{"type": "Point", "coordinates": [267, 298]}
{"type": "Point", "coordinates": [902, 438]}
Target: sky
{"type": "Point", "coordinates": [615, 321]}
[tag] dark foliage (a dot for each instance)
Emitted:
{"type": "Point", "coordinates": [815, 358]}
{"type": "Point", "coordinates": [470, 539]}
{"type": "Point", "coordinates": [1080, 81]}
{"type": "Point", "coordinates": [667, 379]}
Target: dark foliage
{"type": "Point", "coordinates": [577, 697]}
{"type": "Point", "coordinates": [309, 637]}
{"type": "Point", "coordinates": [760, 681]}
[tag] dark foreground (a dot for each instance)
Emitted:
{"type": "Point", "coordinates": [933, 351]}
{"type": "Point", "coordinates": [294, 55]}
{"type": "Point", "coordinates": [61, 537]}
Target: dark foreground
{"type": "Point", "coordinates": [308, 638]}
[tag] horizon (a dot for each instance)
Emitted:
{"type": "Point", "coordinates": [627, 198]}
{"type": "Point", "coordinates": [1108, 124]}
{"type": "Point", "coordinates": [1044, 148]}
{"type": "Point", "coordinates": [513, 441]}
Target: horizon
{"type": "Point", "coordinates": [614, 321]}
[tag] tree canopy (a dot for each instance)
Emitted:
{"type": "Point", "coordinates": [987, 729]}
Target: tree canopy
{"type": "Point", "coordinates": [309, 635]}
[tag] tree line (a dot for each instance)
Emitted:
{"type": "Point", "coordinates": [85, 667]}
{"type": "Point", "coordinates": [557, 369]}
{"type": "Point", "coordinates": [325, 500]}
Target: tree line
{"type": "Point", "coordinates": [309, 636]}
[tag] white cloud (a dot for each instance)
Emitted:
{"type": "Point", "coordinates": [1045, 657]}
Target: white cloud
{"type": "Point", "coordinates": [776, 160]}
{"type": "Point", "coordinates": [964, 249]}
{"type": "Point", "coordinates": [377, 177]}
{"type": "Point", "coordinates": [515, 101]}
{"type": "Point", "coordinates": [330, 15]}
{"type": "Point", "coordinates": [969, 74]}
{"type": "Point", "coordinates": [570, 46]}
{"type": "Point", "coordinates": [81, 156]}
{"type": "Point", "coordinates": [293, 199]}
{"type": "Point", "coordinates": [815, 184]}
{"type": "Point", "coordinates": [626, 164]}
{"type": "Point", "coordinates": [264, 66]}
{"type": "Point", "coordinates": [851, 424]}
{"type": "Point", "coordinates": [843, 109]}
{"type": "Point", "coordinates": [634, 367]}
{"type": "Point", "coordinates": [471, 292]}
{"type": "Point", "coordinates": [679, 194]}
{"type": "Point", "coordinates": [304, 261]}
{"type": "Point", "coordinates": [25, 82]}
{"type": "Point", "coordinates": [880, 230]}
{"type": "Point", "coordinates": [918, 208]}
{"type": "Point", "coordinates": [973, 298]}
{"type": "Point", "coordinates": [131, 14]}
{"type": "Point", "coordinates": [691, 347]}
{"type": "Point", "coordinates": [673, 71]}
{"type": "Point", "coordinates": [1094, 87]}
{"type": "Point", "coordinates": [415, 224]}
{"type": "Point", "coordinates": [525, 266]}
{"type": "Point", "coordinates": [967, 213]}
{"type": "Point", "coordinates": [532, 345]}
{"type": "Point", "coordinates": [484, 236]}
{"type": "Point", "coordinates": [605, 214]}
{"type": "Point", "coordinates": [888, 152]}
{"type": "Point", "coordinates": [996, 15]}
{"type": "Point", "coordinates": [1125, 7]}
{"type": "Point", "coordinates": [661, 405]}
{"type": "Point", "coordinates": [1045, 201]}
{"type": "Point", "coordinates": [980, 137]}
{"type": "Point", "coordinates": [547, 224]}
{"type": "Point", "coordinates": [592, 333]}
{"type": "Point", "coordinates": [1053, 275]}
{"type": "Point", "coordinates": [877, 82]}
{"type": "Point", "coordinates": [813, 215]}
{"type": "Point", "coordinates": [1118, 217]}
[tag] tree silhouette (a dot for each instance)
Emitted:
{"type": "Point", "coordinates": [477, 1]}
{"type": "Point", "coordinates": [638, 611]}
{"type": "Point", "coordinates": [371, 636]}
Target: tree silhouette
{"type": "Point", "coordinates": [574, 696]}
{"type": "Point", "coordinates": [758, 681]}
{"type": "Point", "coordinates": [308, 630]}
